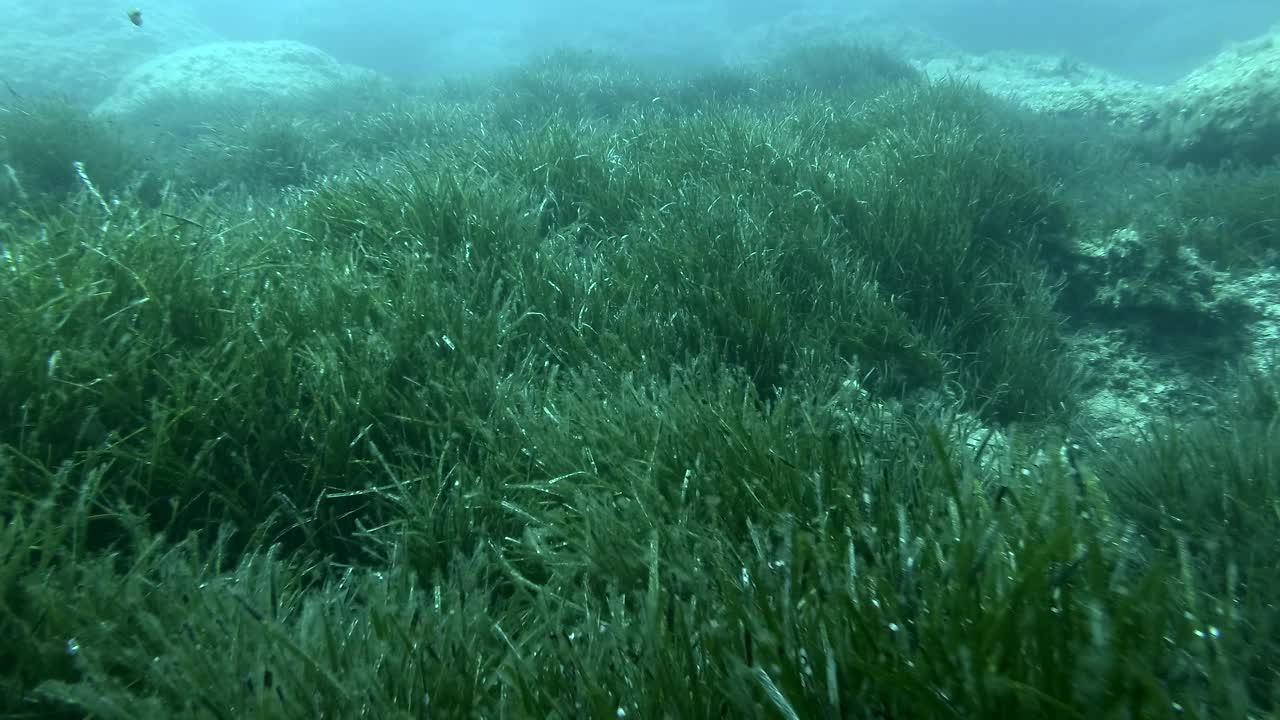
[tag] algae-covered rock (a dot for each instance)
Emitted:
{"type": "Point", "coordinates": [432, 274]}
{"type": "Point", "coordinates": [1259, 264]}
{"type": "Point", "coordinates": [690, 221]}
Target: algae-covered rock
{"type": "Point", "coordinates": [1162, 290]}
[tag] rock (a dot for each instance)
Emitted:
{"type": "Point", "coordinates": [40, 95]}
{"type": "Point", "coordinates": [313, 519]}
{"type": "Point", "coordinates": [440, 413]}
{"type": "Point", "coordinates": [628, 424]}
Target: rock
{"type": "Point", "coordinates": [1053, 85]}
{"type": "Point", "coordinates": [226, 73]}
{"type": "Point", "coordinates": [1228, 109]}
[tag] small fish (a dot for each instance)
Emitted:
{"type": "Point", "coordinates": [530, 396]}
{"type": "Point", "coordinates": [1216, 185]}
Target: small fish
{"type": "Point", "coordinates": [135, 16]}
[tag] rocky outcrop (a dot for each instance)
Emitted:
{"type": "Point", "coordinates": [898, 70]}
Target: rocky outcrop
{"type": "Point", "coordinates": [1228, 109]}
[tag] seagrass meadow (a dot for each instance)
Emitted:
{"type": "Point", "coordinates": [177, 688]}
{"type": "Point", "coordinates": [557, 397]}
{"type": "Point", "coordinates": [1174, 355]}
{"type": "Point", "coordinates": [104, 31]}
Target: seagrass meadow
{"type": "Point", "coordinates": [590, 391]}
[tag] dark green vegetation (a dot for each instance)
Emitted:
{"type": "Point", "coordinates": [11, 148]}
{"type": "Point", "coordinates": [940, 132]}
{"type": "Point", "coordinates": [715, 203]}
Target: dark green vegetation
{"type": "Point", "coordinates": [596, 394]}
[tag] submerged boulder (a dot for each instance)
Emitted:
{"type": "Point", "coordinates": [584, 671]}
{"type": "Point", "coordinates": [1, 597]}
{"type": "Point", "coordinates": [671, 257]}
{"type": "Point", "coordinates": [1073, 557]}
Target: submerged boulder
{"type": "Point", "coordinates": [227, 73]}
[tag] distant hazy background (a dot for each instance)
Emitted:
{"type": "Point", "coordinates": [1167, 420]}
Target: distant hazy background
{"type": "Point", "coordinates": [82, 48]}
{"type": "Point", "coordinates": [1155, 40]}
